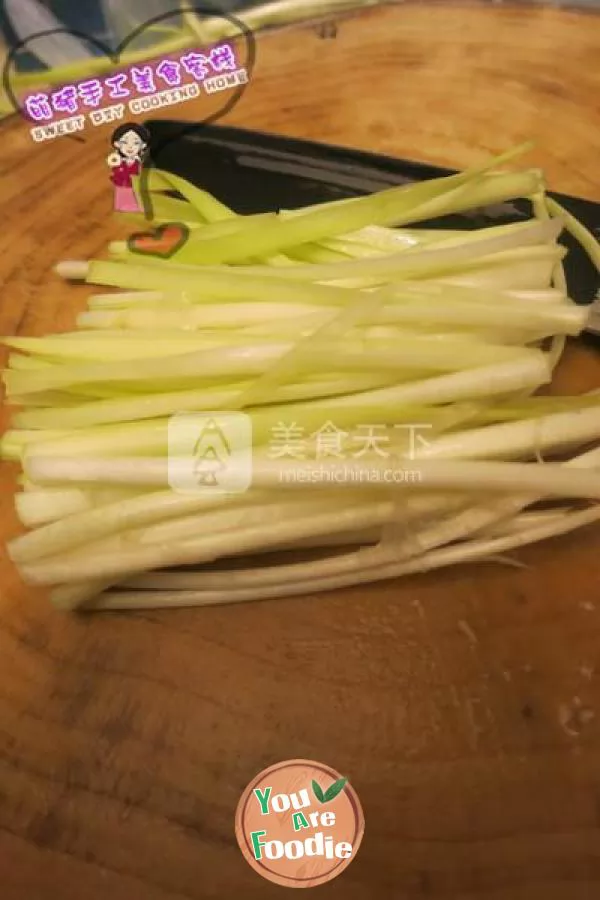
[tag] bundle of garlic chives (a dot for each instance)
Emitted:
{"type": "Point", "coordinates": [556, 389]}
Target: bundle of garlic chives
{"type": "Point", "coordinates": [337, 317]}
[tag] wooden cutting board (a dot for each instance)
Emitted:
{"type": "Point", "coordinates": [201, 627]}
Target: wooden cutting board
{"type": "Point", "coordinates": [464, 706]}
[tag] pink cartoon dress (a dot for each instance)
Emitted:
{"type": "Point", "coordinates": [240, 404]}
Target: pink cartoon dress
{"type": "Point", "coordinates": [121, 175]}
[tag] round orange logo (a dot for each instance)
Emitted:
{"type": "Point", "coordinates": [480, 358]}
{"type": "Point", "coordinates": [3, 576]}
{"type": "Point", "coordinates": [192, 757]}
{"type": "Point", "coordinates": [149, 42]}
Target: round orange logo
{"type": "Point", "coordinates": [299, 823]}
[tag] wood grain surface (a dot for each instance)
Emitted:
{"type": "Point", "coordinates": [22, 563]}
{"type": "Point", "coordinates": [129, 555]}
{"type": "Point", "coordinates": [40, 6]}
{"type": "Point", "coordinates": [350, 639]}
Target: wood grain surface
{"type": "Point", "coordinates": [464, 706]}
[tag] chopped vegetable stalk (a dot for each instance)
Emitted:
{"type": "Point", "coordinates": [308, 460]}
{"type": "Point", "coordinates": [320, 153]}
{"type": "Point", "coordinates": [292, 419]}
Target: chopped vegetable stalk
{"type": "Point", "coordinates": [473, 551]}
{"type": "Point", "coordinates": [314, 321]}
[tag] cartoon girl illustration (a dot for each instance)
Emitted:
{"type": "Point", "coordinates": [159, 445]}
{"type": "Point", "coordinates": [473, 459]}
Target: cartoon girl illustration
{"type": "Point", "coordinates": [130, 141]}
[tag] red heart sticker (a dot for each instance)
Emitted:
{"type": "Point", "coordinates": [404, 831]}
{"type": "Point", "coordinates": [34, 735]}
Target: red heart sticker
{"type": "Point", "coordinates": [163, 241]}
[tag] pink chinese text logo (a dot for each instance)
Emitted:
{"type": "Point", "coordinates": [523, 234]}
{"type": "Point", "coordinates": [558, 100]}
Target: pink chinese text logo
{"type": "Point", "coordinates": [139, 89]}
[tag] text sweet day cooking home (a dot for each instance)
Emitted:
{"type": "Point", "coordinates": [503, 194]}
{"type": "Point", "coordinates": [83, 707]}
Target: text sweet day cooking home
{"type": "Point", "coordinates": [139, 89]}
